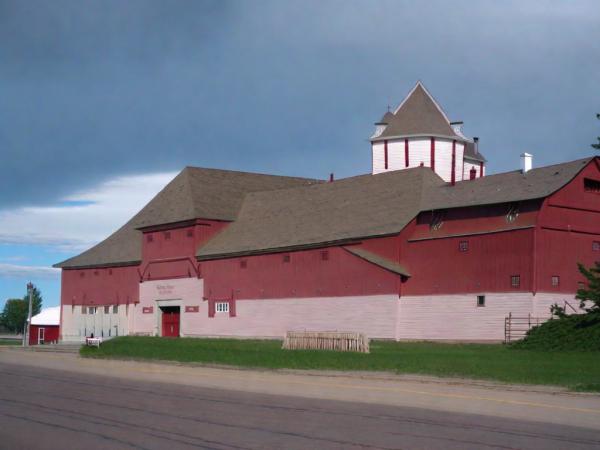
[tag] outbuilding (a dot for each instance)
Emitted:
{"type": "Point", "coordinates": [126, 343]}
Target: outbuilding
{"type": "Point", "coordinates": [45, 327]}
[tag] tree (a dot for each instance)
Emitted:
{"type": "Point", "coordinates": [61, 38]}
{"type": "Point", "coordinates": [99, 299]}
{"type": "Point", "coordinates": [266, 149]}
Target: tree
{"type": "Point", "coordinates": [589, 297]}
{"type": "Point", "coordinates": [597, 146]}
{"type": "Point", "coordinates": [14, 315]}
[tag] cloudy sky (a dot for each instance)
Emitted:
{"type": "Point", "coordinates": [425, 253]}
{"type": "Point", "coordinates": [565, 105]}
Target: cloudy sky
{"type": "Point", "coordinates": [101, 103]}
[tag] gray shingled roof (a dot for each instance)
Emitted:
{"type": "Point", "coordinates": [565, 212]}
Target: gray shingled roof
{"type": "Point", "coordinates": [471, 153]}
{"type": "Point", "coordinates": [368, 206]}
{"type": "Point", "coordinates": [351, 208]}
{"type": "Point", "coordinates": [419, 114]}
{"type": "Point", "coordinates": [506, 187]}
{"type": "Point", "coordinates": [300, 213]}
{"type": "Point", "coordinates": [378, 260]}
{"type": "Point", "coordinates": [193, 193]}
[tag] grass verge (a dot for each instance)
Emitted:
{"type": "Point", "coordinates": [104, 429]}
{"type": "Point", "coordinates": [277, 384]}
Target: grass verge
{"type": "Point", "coordinates": [10, 342]}
{"type": "Point", "coordinates": [575, 370]}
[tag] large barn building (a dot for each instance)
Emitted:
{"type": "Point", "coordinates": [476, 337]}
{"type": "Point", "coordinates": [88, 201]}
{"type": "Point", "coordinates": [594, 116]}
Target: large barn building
{"type": "Point", "coordinates": [427, 246]}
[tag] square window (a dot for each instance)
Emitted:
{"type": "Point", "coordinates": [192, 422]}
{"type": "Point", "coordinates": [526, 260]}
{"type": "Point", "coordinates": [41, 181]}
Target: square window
{"type": "Point", "coordinates": [222, 307]}
{"type": "Point", "coordinates": [596, 246]}
{"type": "Point", "coordinates": [286, 258]}
{"type": "Point", "coordinates": [115, 309]}
{"type": "Point", "coordinates": [480, 300]}
{"type": "Point", "coordinates": [149, 238]}
{"type": "Point", "coordinates": [243, 263]}
{"type": "Point", "coordinates": [515, 281]}
{"type": "Point", "coordinates": [325, 255]}
{"type": "Point", "coordinates": [555, 280]}
{"type": "Point", "coordinates": [107, 310]}
{"type": "Point", "coordinates": [92, 310]}
{"type": "Point", "coordinates": [463, 246]}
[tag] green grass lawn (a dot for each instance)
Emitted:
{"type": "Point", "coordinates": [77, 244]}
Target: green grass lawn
{"type": "Point", "coordinates": [575, 370]}
{"type": "Point", "coordinates": [10, 342]}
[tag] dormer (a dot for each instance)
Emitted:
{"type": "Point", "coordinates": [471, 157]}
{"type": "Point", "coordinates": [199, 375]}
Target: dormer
{"type": "Point", "coordinates": [418, 133]}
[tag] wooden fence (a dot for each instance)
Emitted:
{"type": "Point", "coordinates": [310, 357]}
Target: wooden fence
{"type": "Point", "coordinates": [326, 340]}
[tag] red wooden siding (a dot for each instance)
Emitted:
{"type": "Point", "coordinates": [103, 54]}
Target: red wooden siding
{"type": "Point", "coordinates": [51, 333]}
{"type": "Point", "coordinates": [306, 275]}
{"type": "Point", "coordinates": [568, 226]}
{"type": "Point", "coordinates": [173, 255]}
{"type": "Point", "coordinates": [100, 286]}
{"type": "Point", "coordinates": [438, 266]}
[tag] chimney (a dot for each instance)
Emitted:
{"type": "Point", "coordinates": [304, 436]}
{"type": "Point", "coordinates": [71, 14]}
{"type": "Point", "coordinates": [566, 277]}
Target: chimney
{"type": "Point", "coordinates": [526, 162]}
{"type": "Point", "coordinates": [476, 145]}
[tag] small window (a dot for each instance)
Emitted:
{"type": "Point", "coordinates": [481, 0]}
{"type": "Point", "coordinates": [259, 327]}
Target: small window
{"type": "Point", "coordinates": [92, 310]}
{"type": "Point", "coordinates": [515, 281]}
{"type": "Point", "coordinates": [480, 300]}
{"type": "Point", "coordinates": [286, 258]}
{"type": "Point", "coordinates": [463, 246]}
{"type": "Point", "coordinates": [437, 220]}
{"type": "Point", "coordinates": [149, 238]}
{"type": "Point", "coordinates": [107, 310]}
{"type": "Point", "coordinates": [167, 235]}
{"type": "Point", "coordinates": [590, 185]}
{"type": "Point", "coordinates": [596, 246]}
{"type": "Point", "coordinates": [222, 307]}
{"type": "Point", "coordinates": [84, 310]}
{"type": "Point", "coordinates": [115, 309]}
{"type": "Point", "coordinates": [190, 233]}
{"type": "Point", "coordinates": [513, 213]}
{"type": "Point", "coordinates": [555, 280]}
{"type": "Point", "coordinates": [243, 263]}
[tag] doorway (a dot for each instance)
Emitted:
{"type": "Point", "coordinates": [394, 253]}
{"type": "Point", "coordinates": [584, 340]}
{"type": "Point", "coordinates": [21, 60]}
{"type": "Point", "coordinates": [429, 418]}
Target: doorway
{"type": "Point", "coordinates": [41, 333]}
{"type": "Point", "coordinates": [170, 321]}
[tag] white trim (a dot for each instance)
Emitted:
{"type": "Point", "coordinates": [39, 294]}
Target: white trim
{"type": "Point", "coordinates": [221, 307]}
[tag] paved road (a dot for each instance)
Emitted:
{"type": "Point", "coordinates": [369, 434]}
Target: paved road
{"type": "Point", "coordinates": [43, 408]}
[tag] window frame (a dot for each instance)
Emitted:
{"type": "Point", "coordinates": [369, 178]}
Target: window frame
{"type": "Point", "coordinates": [463, 246]}
{"type": "Point", "coordinates": [222, 307]}
{"type": "Point", "coordinates": [555, 280]}
{"type": "Point", "coordinates": [517, 284]}
{"type": "Point", "coordinates": [115, 309]}
{"type": "Point", "coordinates": [480, 301]}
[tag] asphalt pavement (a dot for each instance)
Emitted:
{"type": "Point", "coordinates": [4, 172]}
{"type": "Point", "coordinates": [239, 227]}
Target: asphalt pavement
{"type": "Point", "coordinates": [43, 408]}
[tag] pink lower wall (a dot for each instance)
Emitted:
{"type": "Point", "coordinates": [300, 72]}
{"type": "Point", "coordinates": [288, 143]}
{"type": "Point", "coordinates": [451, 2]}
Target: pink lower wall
{"type": "Point", "coordinates": [442, 317]}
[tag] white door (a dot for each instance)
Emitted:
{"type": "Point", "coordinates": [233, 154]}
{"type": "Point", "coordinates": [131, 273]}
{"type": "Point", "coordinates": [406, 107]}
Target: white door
{"type": "Point", "coordinates": [41, 335]}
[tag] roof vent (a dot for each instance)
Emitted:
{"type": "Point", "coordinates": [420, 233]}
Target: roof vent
{"type": "Point", "coordinates": [457, 127]}
{"type": "Point", "coordinates": [526, 162]}
{"type": "Point", "coordinates": [476, 145]}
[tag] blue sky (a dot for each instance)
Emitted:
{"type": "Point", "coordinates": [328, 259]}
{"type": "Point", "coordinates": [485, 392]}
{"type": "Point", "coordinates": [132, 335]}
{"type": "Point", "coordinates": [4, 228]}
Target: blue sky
{"type": "Point", "coordinates": [103, 102]}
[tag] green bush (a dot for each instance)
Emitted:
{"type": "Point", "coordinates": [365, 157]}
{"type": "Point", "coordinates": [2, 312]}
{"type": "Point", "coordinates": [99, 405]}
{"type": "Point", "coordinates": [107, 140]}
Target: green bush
{"type": "Point", "coordinates": [575, 333]}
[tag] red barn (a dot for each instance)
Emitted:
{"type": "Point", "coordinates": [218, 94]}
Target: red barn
{"type": "Point", "coordinates": [44, 327]}
{"type": "Point", "coordinates": [427, 246]}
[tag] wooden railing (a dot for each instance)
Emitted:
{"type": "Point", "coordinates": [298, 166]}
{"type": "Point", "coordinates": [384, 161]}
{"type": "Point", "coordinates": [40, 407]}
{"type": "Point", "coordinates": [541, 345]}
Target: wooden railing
{"type": "Point", "coordinates": [326, 340]}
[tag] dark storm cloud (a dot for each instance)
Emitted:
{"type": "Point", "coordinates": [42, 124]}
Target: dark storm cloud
{"type": "Point", "coordinates": [90, 90]}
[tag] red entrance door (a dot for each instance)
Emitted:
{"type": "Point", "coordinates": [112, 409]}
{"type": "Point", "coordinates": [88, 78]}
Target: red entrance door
{"type": "Point", "coordinates": [170, 321]}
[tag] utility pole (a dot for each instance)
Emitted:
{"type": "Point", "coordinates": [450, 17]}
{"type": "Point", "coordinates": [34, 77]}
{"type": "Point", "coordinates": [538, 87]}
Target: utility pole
{"type": "Point", "coordinates": [28, 328]}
